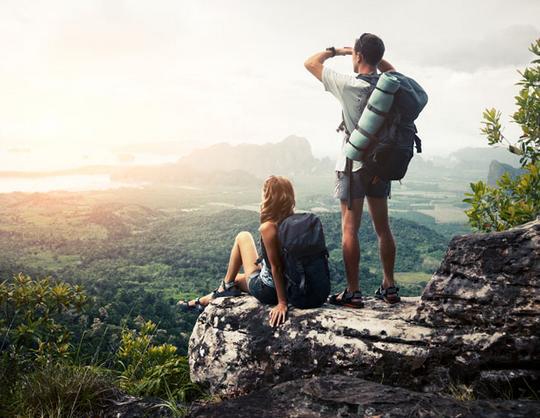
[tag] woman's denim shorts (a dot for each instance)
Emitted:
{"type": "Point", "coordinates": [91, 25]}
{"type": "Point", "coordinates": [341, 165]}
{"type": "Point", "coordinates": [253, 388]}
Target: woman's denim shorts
{"type": "Point", "coordinates": [264, 293]}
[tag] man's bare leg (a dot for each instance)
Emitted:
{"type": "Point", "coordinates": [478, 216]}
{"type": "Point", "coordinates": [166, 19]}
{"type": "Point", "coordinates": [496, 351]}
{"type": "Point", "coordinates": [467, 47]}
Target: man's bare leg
{"type": "Point", "coordinates": [350, 223]}
{"type": "Point", "coordinates": [378, 209]}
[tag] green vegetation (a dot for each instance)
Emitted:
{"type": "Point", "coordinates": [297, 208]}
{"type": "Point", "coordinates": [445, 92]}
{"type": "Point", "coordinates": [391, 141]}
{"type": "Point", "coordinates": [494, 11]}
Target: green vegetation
{"type": "Point", "coordinates": [515, 200]}
{"type": "Point", "coordinates": [60, 389]}
{"type": "Point", "coordinates": [103, 322]}
{"type": "Point", "coordinates": [153, 370]}
{"type": "Point", "coordinates": [413, 277]}
{"type": "Point", "coordinates": [42, 372]}
{"type": "Point", "coordinates": [133, 260]}
{"type": "Point", "coordinates": [414, 282]}
{"type": "Point", "coordinates": [30, 324]}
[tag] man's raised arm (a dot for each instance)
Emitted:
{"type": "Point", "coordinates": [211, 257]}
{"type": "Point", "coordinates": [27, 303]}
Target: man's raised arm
{"type": "Point", "coordinates": [385, 66]}
{"type": "Point", "coordinates": [315, 63]}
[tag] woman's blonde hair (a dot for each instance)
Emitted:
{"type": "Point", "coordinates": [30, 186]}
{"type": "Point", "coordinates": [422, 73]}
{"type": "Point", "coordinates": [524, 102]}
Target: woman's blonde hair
{"type": "Point", "coordinates": [277, 199]}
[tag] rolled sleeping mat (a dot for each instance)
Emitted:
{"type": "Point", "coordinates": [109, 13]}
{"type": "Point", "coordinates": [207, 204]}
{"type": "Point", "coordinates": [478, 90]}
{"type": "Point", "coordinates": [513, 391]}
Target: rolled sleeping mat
{"type": "Point", "coordinates": [373, 116]}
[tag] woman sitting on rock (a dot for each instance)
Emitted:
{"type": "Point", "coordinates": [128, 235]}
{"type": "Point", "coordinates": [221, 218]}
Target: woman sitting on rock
{"type": "Point", "coordinates": [263, 276]}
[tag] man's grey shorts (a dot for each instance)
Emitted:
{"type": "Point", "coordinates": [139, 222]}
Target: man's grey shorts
{"type": "Point", "coordinates": [359, 190]}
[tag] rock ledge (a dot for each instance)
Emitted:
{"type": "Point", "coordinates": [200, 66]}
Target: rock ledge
{"type": "Point", "coordinates": [476, 323]}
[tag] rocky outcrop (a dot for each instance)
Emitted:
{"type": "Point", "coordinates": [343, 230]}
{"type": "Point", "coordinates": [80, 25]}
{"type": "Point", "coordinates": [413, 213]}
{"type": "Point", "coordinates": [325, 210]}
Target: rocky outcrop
{"type": "Point", "coordinates": [477, 323]}
{"type": "Point", "coordinates": [127, 406]}
{"type": "Point", "coordinates": [489, 282]}
{"type": "Point", "coordinates": [340, 396]}
{"type": "Point", "coordinates": [234, 350]}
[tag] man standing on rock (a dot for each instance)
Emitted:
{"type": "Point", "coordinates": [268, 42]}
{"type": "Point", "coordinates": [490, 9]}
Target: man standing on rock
{"type": "Point", "coordinates": [353, 93]}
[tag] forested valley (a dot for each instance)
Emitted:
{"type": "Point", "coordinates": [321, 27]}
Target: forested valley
{"type": "Point", "coordinates": [89, 283]}
{"type": "Point", "coordinates": [136, 261]}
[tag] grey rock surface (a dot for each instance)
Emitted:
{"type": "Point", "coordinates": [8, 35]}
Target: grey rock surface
{"type": "Point", "coordinates": [127, 406]}
{"type": "Point", "coordinates": [477, 322]}
{"type": "Point", "coordinates": [489, 281]}
{"type": "Point", "coordinates": [341, 396]}
{"type": "Point", "coordinates": [234, 350]}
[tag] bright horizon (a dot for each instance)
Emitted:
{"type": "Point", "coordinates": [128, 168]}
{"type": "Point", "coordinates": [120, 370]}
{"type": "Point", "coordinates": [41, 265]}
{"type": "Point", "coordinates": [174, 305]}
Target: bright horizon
{"type": "Point", "coordinates": [83, 78]}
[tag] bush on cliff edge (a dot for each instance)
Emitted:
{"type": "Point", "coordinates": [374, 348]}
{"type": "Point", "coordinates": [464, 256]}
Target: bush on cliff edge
{"type": "Point", "coordinates": [41, 373]}
{"type": "Point", "coordinates": [515, 200]}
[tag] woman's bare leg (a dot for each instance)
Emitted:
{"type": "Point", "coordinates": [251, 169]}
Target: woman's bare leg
{"type": "Point", "coordinates": [243, 254]}
{"type": "Point", "coordinates": [241, 281]}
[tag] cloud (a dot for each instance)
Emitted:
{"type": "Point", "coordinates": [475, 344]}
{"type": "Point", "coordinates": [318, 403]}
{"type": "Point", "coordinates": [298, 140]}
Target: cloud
{"type": "Point", "coordinates": [507, 47]}
{"type": "Point", "coordinates": [116, 72]}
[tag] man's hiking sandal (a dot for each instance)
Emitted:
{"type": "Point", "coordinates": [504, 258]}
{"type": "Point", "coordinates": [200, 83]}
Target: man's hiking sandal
{"type": "Point", "coordinates": [389, 295]}
{"type": "Point", "coordinates": [185, 306]}
{"type": "Point", "coordinates": [229, 289]}
{"type": "Point", "coordinates": [348, 299]}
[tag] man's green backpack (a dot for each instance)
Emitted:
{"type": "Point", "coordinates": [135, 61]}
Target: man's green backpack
{"type": "Point", "coordinates": [390, 152]}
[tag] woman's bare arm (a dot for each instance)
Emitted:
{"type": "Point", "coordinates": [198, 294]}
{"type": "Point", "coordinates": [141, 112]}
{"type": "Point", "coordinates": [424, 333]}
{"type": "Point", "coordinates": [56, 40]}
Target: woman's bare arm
{"type": "Point", "coordinates": [269, 233]}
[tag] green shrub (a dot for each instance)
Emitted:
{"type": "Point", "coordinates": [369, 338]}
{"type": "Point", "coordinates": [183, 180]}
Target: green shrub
{"type": "Point", "coordinates": [30, 310]}
{"type": "Point", "coordinates": [513, 201]}
{"type": "Point", "coordinates": [34, 341]}
{"type": "Point", "coordinates": [62, 390]}
{"type": "Point", "coordinates": [40, 374]}
{"type": "Point", "coordinates": [153, 370]}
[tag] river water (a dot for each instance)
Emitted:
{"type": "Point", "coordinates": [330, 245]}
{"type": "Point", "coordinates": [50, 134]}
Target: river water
{"type": "Point", "coordinates": [70, 183]}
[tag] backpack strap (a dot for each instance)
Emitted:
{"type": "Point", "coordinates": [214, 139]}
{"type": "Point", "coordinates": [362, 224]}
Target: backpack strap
{"type": "Point", "coordinates": [384, 91]}
{"type": "Point", "coordinates": [418, 144]}
{"type": "Point", "coordinates": [264, 255]}
{"type": "Point", "coordinates": [348, 171]}
{"type": "Point", "coordinates": [348, 162]}
{"type": "Point", "coordinates": [372, 80]}
{"type": "Point", "coordinates": [417, 141]}
{"type": "Point", "coordinates": [377, 111]}
{"type": "Point", "coordinates": [302, 273]}
{"type": "Point", "coordinates": [371, 137]}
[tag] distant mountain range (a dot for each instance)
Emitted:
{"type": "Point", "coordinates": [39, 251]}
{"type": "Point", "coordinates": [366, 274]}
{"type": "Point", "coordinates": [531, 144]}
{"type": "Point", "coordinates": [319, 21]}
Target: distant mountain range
{"type": "Point", "coordinates": [245, 165]}
{"type": "Point", "coordinates": [160, 148]}
{"type": "Point", "coordinates": [290, 157]}
{"type": "Point", "coordinates": [497, 169]}
{"type": "Point", "coordinates": [482, 157]}
{"type": "Point", "coordinates": [466, 164]}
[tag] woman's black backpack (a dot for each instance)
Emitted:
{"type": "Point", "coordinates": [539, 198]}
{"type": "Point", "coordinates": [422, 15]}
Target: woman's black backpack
{"type": "Point", "coordinates": [305, 260]}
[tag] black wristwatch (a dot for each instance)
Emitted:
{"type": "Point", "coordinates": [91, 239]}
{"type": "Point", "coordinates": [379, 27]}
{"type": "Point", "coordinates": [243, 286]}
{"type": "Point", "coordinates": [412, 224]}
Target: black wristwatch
{"type": "Point", "coordinates": [332, 50]}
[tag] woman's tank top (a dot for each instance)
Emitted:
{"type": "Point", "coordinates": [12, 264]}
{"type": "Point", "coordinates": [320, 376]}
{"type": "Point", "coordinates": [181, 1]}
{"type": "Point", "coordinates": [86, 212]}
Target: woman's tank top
{"type": "Point", "coordinates": [266, 269]}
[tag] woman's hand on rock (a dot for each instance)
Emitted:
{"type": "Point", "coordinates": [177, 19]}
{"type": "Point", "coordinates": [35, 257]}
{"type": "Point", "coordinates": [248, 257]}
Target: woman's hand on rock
{"type": "Point", "coordinates": [278, 314]}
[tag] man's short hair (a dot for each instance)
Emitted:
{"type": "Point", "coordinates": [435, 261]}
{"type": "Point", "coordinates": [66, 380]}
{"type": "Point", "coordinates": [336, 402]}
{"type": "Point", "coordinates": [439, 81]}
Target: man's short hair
{"type": "Point", "coordinates": [371, 47]}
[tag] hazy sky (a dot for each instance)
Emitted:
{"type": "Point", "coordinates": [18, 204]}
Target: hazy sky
{"type": "Point", "coordinates": [103, 73]}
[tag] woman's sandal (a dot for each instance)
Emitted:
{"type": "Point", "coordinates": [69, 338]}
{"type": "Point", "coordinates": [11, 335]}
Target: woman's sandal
{"type": "Point", "coordinates": [229, 289]}
{"type": "Point", "coordinates": [185, 306]}
{"type": "Point", "coordinates": [389, 295]}
{"type": "Point", "coordinates": [348, 299]}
